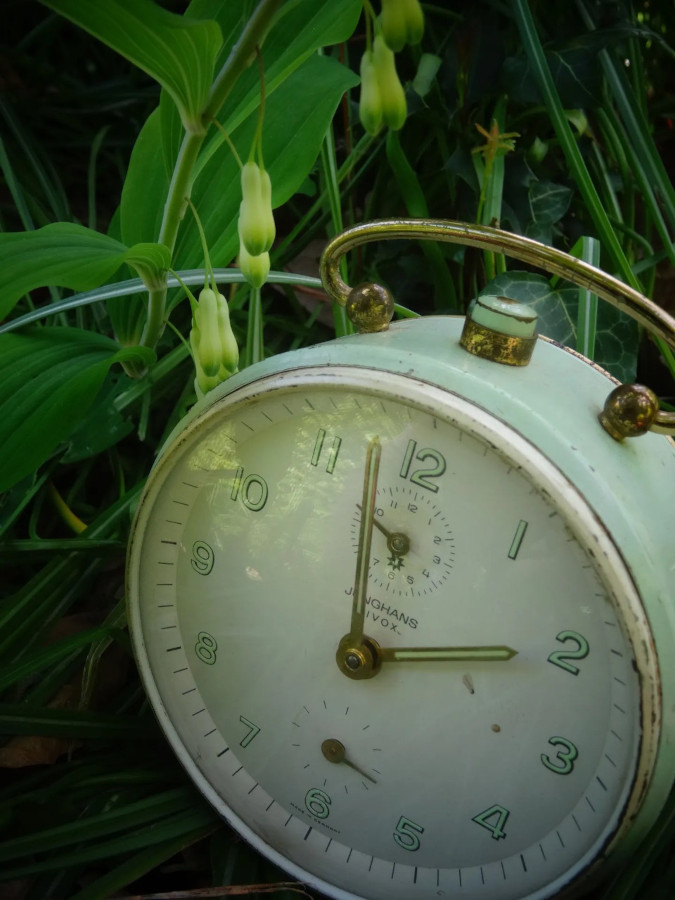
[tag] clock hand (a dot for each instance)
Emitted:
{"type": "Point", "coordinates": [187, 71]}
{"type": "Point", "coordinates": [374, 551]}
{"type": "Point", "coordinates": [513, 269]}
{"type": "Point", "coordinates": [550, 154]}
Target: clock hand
{"type": "Point", "coordinates": [397, 542]}
{"type": "Point", "coordinates": [334, 751]}
{"type": "Point", "coordinates": [498, 653]}
{"type": "Point", "coordinates": [354, 653]}
{"type": "Point", "coordinates": [371, 470]}
{"type": "Point", "coordinates": [366, 660]}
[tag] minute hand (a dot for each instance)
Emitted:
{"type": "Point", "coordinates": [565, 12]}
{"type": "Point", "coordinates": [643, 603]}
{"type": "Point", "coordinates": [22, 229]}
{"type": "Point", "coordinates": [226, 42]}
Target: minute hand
{"type": "Point", "coordinates": [449, 654]}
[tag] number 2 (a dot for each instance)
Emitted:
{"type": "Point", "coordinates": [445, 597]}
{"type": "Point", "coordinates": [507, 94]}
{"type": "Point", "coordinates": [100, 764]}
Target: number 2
{"type": "Point", "coordinates": [559, 657]}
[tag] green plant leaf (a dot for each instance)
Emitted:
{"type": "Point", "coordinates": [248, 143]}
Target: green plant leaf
{"type": "Point", "coordinates": [296, 118]}
{"type": "Point", "coordinates": [616, 335]}
{"type": "Point", "coordinates": [548, 201]}
{"type": "Point", "coordinates": [70, 256]}
{"type": "Point", "coordinates": [48, 382]}
{"type": "Point", "coordinates": [176, 51]}
{"type": "Point", "coordinates": [21, 718]}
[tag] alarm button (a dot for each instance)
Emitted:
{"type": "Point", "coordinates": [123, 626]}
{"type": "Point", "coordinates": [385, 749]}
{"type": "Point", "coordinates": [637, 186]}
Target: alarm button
{"type": "Point", "coordinates": [500, 329]}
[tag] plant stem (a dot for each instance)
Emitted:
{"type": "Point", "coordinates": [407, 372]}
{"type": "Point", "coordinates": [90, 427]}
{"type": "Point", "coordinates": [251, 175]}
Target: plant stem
{"type": "Point", "coordinates": [181, 181]}
{"type": "Point", "coordinates": [239, 57]}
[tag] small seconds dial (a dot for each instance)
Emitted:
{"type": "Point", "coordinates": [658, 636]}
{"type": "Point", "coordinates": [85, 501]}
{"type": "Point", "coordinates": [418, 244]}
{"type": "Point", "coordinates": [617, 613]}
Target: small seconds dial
{"type": "Point", "coordinates": [413, 548]}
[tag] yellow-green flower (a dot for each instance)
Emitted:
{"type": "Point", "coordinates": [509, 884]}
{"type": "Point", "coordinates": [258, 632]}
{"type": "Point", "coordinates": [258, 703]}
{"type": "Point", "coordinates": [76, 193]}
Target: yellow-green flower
{"type": "Point", "coordinates": [214, 347]}
{"type": "Point", "coordinates": [256, 220]}
{"type": "Point", "coordinates": [255, 267]}
{"type": "Point", "coordinates": [382, 98]}
{"type": "Point", "coordinates": [392, 95]}
{"type": "Point", "coordinates": [402, 23]}
{"type": "Point", "coordinates": [370, 104]}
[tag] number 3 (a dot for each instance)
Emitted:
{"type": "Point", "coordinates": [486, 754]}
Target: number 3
{"type": "Point", "coordinates": [563, 762]}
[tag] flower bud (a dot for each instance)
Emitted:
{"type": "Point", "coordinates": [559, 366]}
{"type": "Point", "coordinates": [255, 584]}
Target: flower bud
{"type": "Point", "coordinates": [205, 324]}
{"type": "Point", "coordinates": [214, 348]}
{"type": "Point", "coordinates": [392, 95]}
{"type": "Point", "coordinates": [254, 267]}
{"type": "Point", "coordinates": [370, 105]}
{"type": "Point", "coordinates": [402, 23]}
{"type": "Point", "coordinates": [229, 356]}
{"type": "Point", "coordinates": [256, 221]}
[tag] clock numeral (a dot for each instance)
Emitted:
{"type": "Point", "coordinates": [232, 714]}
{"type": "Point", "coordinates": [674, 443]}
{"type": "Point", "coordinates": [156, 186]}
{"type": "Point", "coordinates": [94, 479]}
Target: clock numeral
{"type": "Point", "coordinates": [318, 803]}
{"type": "Point", "coordinates": [421, 476]}
{"type": "Point", "coordinates": [253, 731]}
{"type": "Point", "coordinates": [494, 819]}
{"type": "Point", "coordinates": [252, 489]}
{"type": "Point", "coordinates": [202, 558]}
{"type": "Point", "coordinates": [517, 539]}
{"type": "Point", "coordinates": [407, 834]}
{"type": "Point", "coordinates": [559, 657]}
{"type": "Point", "coordinates": [563, 762]}
{"type": "Point", "coordinates": [332, 453]}
{"type": "Point", "coordinates": [206, 647]}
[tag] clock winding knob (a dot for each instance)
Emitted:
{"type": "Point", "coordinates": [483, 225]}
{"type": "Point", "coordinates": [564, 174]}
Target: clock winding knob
{"type": "Point", "coordinates": [501, 330]}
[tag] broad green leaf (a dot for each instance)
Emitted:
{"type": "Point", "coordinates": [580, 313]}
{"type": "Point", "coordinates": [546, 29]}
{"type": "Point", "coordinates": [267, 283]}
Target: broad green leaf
{"type": "Point", "coordinates": [104, 427]}
{"type": "Point", "coordinates": [176, 51]}
{"type": "Point", "coordinates": [299, 30]}
{"type": "Point", "coordinates": [296, 118]}
{"type": "Point", "coordinates": [145, 187]}
{"type": "Point", "coordinates": [616, 335]}
{"type": "Point", "coordinates": [49, 378]}
{"type": "Point", "coordinates": [70, 256]}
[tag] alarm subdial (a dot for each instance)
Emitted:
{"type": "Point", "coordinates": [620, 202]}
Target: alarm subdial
{"type": "Point", "coordinates": [334, 748]}
{"type": "Point", "coordinates": [413, 547]}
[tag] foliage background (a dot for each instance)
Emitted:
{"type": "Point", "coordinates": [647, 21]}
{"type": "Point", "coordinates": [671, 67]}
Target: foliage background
{"type": "Point", "coordinates": [94, 804]}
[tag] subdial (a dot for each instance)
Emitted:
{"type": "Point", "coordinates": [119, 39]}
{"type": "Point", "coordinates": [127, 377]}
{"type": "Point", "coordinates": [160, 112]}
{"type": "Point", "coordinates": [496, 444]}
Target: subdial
{"type": "Point", "coordinates": [413, 547]}
{"type": "Point", "coordinates": [335, 748]}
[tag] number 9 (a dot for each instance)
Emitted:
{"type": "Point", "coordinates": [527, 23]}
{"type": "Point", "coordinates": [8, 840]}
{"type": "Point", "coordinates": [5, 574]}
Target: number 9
{"type": "Point", "coordinates": [202, 558]}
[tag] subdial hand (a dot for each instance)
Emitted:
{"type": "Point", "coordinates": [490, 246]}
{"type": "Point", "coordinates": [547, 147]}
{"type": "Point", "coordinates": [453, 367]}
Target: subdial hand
{"type": "Point", "coordinates": [398, 543]}
{"type": "Point", "coordinates": [334, 751]}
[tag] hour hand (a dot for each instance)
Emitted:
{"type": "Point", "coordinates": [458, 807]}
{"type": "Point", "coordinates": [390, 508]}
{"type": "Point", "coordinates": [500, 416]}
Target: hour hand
{"type": "Point", "coordinates": [499, 653]}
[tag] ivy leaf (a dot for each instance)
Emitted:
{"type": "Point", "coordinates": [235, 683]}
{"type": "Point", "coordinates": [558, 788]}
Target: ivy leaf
{"type": "Point", "coordinates": [617, 336]}
{"type": "Point", "coordinates": [49, 379]}
{"type": "Point", "coordinates": [556, 320]}
{"type": "Point", "coordinates": [176, 51]}
{"type": "Point", "coordinates": [548, 201]}
{"type": "Point", "coordinates": [70, 256]}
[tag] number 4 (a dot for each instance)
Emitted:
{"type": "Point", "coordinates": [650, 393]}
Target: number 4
{"type": "Point", "coordinates": [496, 827]}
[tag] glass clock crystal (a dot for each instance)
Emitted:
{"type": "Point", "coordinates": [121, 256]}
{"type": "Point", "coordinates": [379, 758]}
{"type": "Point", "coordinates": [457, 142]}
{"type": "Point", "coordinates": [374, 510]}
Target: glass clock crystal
{"type": "Point", "coordinates": [402, 627]}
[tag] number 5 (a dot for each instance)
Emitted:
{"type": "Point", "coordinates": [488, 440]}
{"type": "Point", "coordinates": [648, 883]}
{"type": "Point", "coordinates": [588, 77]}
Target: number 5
{"type": "Point", "coordinates": [406, 834]}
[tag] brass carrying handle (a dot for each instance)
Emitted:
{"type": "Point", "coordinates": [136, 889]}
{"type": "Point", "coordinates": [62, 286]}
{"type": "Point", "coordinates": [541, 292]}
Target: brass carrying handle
{"type": "Point", "coordinates": [556, 262]}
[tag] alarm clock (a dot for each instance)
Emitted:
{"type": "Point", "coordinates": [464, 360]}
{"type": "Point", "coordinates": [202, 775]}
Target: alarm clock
{"type": "Point", "coordinates": [403, 602]}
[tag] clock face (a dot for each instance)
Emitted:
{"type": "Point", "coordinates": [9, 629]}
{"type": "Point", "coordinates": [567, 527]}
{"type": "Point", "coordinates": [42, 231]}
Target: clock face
{"type": "Point", "coordinates": [503, 772]}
